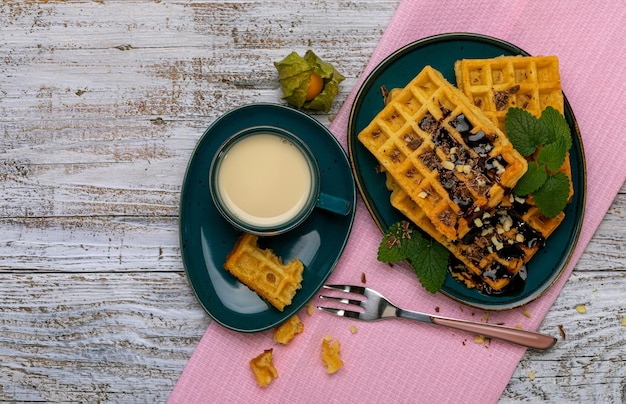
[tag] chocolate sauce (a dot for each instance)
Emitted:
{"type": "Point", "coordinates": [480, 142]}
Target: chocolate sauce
{"type": "Point", "coordinates": [510, 251]}
{"type": "Point", "coordinates": [428, 123]}
{"type": "Point", "coordinates": [515, 286]}
{"type": "Point", "coordinates": [479, 141]}
{"type": "Point", "coordinates": [457, 191]}
{"type": "Point", "coordinates": [443, 139]}
{"type": "Point", "coordinates": [461, 125]}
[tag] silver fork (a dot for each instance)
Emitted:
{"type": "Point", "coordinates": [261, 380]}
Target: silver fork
{"type": "Point", "coordinates": [377, 307]}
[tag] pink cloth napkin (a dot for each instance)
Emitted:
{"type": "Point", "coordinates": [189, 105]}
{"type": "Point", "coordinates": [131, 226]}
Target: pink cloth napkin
{"type": "Point", "coordinates": [402, 361]}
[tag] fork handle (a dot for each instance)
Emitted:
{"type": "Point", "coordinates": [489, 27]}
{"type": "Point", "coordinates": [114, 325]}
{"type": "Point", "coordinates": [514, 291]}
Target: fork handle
{"type": "Point", "coordinates": [518, 336]}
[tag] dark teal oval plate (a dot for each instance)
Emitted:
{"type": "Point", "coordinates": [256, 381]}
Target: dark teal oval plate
{"type": "Point", "coordinates": [441, 52]}
{"type": "Point", "coordinates": [206, 238]}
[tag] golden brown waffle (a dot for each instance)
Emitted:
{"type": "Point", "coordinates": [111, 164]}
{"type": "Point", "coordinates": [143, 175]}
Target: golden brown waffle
{"type": "Point", "coordinates": [452, 161]}
{"type": "Point", "coordinates": [497, 84]}
{"type": "Point", "coordinates": [263, 368]}
{"type": "Point", "coordinates": [531, 83]}
{"type": "Point", "coordinates": [262, 271]}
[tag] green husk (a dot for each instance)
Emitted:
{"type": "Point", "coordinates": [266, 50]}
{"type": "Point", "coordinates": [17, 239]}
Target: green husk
{"type": "Point", "coordinates": [294, 75]}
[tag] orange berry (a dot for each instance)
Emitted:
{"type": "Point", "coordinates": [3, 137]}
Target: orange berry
{"type": "Point", "coordinates": [315, 86]}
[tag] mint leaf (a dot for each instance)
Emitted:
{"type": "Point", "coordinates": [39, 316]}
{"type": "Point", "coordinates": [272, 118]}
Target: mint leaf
{"type": "Point", "coordinates": [531, 181]}
{"type": "Point", "coordinates": [428, 258]}
{"type": "Point", "coordinates": [430, 263]}
{"type": "Point", "coordinates": [552, 197]}
{"type": "Point", "coordinates": [557, 127]}
{"type": "Point", "coordinates": [553, 155]}
{"type": "Point", "coordinates": [551, 134]}
{"type": "Point", "coordinates": [391, 248]}
{"type": "Point", "coordinates": [525, 131]}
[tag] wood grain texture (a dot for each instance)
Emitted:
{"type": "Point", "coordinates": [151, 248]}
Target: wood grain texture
{"type": "Point", "coordinates": [101, 105]}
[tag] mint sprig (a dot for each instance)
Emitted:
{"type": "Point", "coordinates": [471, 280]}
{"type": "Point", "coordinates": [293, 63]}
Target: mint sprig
{"type": "Point", "coordinates": [549, 137]}
{"type": "Point", "coordinates": [426, 257]}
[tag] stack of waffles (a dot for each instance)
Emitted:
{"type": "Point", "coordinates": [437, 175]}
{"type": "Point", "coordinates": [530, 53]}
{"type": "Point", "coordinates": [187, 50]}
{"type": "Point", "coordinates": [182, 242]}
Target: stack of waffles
{"type": "Point", "coordinates": [451, 168]}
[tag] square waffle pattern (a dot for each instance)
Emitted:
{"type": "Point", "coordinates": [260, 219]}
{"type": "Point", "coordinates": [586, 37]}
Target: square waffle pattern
{"type": "Point", "coordinates": [492, 253]}
{"type": "Point", "coordinates": [494, 86]}
{"type": "Point", "coordinates": [264, 272]}
{"type": "Point", "coordinates": [451, 160]}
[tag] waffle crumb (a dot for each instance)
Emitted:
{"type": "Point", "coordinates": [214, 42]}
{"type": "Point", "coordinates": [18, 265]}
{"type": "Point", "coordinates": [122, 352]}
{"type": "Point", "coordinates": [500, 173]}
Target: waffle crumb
{"type": "Point", "coordinates": [263, 368]}
{"type": "Point", "coordinates": [581, 309]}
{"type": "Point", "coordinates": [331, 355]}
{"type": "Point", "coordinates": [353, 329]}
{"type": "Point", "coordinates": [531, 375]}
{"type": "Point", "coordinates": [526, 313]}
{"type": "Point", "coordinates": [310, 309]}
{"type": "Point", "coordinates": [479, 339]}
{"type": "Point", "coordinates": [519, 326]}
{"type": "Point", "coordinates": [624, 320]}
{"type": "Point", "coordinates": [287, 331]}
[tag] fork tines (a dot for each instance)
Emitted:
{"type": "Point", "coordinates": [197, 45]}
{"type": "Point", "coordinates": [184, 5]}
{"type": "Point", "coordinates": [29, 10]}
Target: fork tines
{"type": "Point", "coordinates": [343, 288]}
{"type": "Point", "coordinates": [346, 288]}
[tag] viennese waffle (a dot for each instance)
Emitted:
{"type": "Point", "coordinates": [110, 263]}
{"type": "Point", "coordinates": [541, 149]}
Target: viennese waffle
{"type": "Point", "coordinates": [491, 254]}
{"type": "Point", "coordinates": [451, 160]}
{"type": "Point", "coordinates": [495, 85]}
{"type": "Point", "coordinates": [262, 271]}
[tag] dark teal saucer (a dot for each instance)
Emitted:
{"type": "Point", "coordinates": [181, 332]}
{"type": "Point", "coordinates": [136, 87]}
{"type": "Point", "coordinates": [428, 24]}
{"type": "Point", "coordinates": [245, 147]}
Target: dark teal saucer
{"type": "Point", "coordinates": [206, 238]}
{"type": "Point", "coordinates": [441, 52]}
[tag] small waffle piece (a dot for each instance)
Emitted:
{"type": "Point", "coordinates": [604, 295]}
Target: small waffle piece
{"type": "Point", "coordinates": [443, 152]}
{"type": "Point", "coordinates": [331, 355]}
{"type": "Point", "coordinates": [288, 330]}
{"type": "Point", "coordinates": [262, 271]}
{"type": "Point", "coordinates": [263, 368]}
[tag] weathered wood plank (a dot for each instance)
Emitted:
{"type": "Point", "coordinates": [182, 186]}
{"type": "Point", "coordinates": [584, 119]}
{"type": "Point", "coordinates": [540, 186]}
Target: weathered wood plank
{"type": "Point", "coordinates": [95, 337]}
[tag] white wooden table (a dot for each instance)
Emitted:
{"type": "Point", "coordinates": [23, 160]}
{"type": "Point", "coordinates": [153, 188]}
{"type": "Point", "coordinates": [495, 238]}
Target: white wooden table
{"type": "Point", "coordinates": [101, 104]}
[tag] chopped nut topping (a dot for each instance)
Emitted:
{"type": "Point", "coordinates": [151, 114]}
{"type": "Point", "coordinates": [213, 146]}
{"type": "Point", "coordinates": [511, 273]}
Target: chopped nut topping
{"type": "Point", "coordinates": [448, 165]}
{"type": "Point", "coordinates": [487, 231]}
{"type": "Point", "coordinates": [499, 167]}
{"type": "Point", "coordinates": [478, 222]}
{"type": "Point", "coordinates": [423, 195]}
{"type": "Point", "coordinates": [497, 243]}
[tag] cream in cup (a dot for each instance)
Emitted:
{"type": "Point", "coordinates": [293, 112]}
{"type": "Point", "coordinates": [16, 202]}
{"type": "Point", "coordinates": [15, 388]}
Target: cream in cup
{"type": "Point", "coordinates": [264, 180]}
